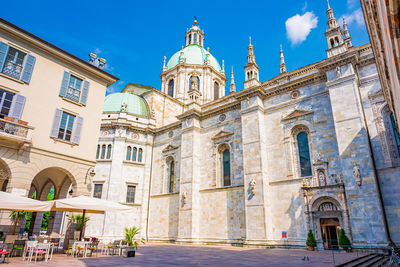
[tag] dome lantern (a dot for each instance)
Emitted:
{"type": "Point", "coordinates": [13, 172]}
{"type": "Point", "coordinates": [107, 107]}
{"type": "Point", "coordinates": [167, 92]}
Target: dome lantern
{"type": "Point", "coordinates": [195, 36]}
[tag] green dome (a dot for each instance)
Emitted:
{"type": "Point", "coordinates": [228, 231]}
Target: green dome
{"type": "Point", "coordinates": [193, 54]}
{"type": "Point", "coordinates": [135, 105]}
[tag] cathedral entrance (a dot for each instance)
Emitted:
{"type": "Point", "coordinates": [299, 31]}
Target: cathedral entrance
{"type": "Point", "coordinates": [330, 232]}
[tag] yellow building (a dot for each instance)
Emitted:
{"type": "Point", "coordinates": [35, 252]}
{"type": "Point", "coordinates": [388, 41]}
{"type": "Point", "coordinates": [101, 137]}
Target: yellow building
{"type": "Point", "coordinates": [50, 111]}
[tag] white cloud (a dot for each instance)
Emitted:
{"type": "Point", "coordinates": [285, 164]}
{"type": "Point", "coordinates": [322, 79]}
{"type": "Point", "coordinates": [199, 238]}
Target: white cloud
{"type": "Point", "coordinates": [115, 88]}
{"type": "Point", "coordinates": [305, 6]}
{"type": "Point", "coordinates": [352, 3]}
{"type": "Point", "coordinates": [355, 17]}
{"type": "Point", "coordinates": [299, 27]}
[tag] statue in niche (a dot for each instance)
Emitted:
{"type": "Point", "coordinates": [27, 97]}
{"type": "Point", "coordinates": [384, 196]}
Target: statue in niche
{"type": "Point", "coordinates": [123, 107]}
{"type": "Point", "coordinates": [321, 177]}
{"type": "Point", "coordinates": [357, 174]}
{"type": "Point", "coordinates": [252, 187]}
{"type": "Point", "coordinates": [338, 72]}
{"type": "Point", "coordinates": [184, 198]}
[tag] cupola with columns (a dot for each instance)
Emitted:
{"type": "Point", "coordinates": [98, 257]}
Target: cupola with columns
{"type": "Point", "coordinates": [334, 35]}
{"type": "Point", "coordinates": [251, 69]}
{"type": "Point", "coordinates": [193, 74]}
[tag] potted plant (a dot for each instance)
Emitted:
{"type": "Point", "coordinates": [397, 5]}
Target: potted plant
{"type": "Point", "coordinates": [17, 217]}
{"type": "Point", "coordinates": [344, 241]}
{"type": "Point", "coordinates": [77, 219]}
{"type": "Point", "coordinates": [132, 241]}
{"type": "Point", "coordinates": [311, 242]}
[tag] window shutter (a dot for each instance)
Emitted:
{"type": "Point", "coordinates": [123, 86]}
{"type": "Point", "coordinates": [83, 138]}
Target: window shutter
{"type": "Point", "coordinates": [78, 129]}
{"type": "Point", "coordinates": [56, 123]}
{"type": "Point", "coordinates": [64, 84]}
{"type": "Point", "coordinates": [85, 92]}
{"type": "Point", "coordinates": [28, 68]}
{"type": "Point", "coordinates": [3, 54]}
{"type": "Point", "coordinates": [18, 106]}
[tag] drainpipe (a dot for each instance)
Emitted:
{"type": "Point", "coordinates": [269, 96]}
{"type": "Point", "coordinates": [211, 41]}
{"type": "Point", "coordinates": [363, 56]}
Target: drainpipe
{"type": "Point", "coordinates": [381, 204]}
{"type": "Point", "coordinates": [148, 199]}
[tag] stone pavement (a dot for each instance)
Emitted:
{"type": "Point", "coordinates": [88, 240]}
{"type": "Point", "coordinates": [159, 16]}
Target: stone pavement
{"type": "Point", "coordinates": [188, 255]}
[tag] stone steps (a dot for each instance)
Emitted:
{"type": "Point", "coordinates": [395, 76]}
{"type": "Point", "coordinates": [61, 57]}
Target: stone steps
{"type": "Point", "coordinates": [370, 260]}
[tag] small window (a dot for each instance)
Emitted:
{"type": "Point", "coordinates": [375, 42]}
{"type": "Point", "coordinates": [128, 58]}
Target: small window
{"type": "Point", "coordinates": [171, 176]}
{"type": "Point", "coordinates": [304, 154]}
{"type": "Point", "coordinates": [226, 169]}
{"type": "Point", "coordinates": [5, 103]}
{"type": "Point", "coordinates": [171, 88]}
{"type": "Point", "coordinates": [190, 38]}
{"type": "Point", "coordinates": [98, 190]}
{"type": "Point", "coordinates": [128, 153]}
{"type": "Point", "coordinates": [140, 155]}
{"type": "Point", "coordinates": [103, 151]}
{"type": "Point", "coordinates": [66, 125]}
{"type": "Point", "coordinates": [74, 88]}
{"type": "Point", "coordinates": [98, 152]}
{"type": "Point", "coordinates": [109, 151]}
{"type": "Point", "coordinates": [134, 154]}
{"type": "Point", "coordinates": [13, 63]}
{"type": "Point", "coordinates": [130, 194]}
{"type": "Point", "coordinates": [216, 91]}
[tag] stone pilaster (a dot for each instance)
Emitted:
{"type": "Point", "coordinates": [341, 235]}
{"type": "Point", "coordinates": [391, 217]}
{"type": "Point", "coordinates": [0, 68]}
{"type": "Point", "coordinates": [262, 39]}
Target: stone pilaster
{"type": "Point", "coordinates": [253, 158]}
{"type": "Point", "coordinates": [365, 213]}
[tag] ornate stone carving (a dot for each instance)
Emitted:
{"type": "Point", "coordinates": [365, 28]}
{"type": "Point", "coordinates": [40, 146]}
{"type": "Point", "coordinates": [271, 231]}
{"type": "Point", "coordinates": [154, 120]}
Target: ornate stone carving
{"type": "Point", "coordinates": [221, 134]}
{"type": "Point", "coordinates": [338, 74]}
{"type": "Point", "coordinates": [184, 198]}
{"type": "Point", "coordinates": [252, 188]}
{"type": "Point", "coordinates": [124, 107]}
{"type": "Point", "coordinates": [357, 175]}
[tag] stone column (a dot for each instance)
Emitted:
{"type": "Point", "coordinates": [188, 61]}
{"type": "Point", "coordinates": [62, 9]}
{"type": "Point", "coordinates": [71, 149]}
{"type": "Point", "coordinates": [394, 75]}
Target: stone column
{"type": "Point", "coordinates": [189, 182]}
{"type": "Point", "coordinates": [352, 140]}
{"type": "Point", "coordinates": [253, 137]}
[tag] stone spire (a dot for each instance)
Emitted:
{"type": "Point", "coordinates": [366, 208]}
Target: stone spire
{"type": "Point", "coordinates": [283, 64]}
{"type": "Point", "coordinates": [164, 68]}
{"type": "Point", "coordinates": [347, 38]}
{"type": "Point", "coordinates": [232, 86]}
{"type": "Point", "coordinates": [250, 57]}
{"type": "Point", "coordinates": [334, 34]}
{"type": "Point", "coordinates": [251, 69]}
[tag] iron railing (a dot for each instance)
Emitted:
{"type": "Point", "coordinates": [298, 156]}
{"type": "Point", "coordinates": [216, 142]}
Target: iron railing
{"type": "Point", "coordinates": [12, 69]}
{"type": "Point", "coordinates": [13, 128]}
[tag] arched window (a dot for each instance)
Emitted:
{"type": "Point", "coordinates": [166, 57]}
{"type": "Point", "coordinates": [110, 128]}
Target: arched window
{"type": "Point", "coordinates": [248, 75]}
{"type": "Point", "coordinates": [98, 152]}
{"type": "Point", "coordinates": [395, 132]}
{"type": "Point", "coordinates": [190, 38]}
{"type": "Point", "coordinates": [226, 167]}
{"type": "Point", "coordinates": [337, 41]}
{"type": "Point", "coordinates": [171, 176]}
{"type": "Point", "coordinates": [128, 153]}
{"type": "Point", "coordinates": [109, 151]}
{"type": "Point", "coordinates": [332, 43]}
{"type": "Point", "coordinates": [304, 154]}
{"type": "Point", "coordinates": [191, 83]}
{"type": "Point", "coordinates": [171, 88]}
{"type": "Point", "coordinates": [140, 155]}
{"type": "Point", "coordinates": [103, 151]}
{"type": "Point", "coordinates": [195, 38]}
{"type": "Point", "coordinates": [216, 91]}
{"type": "Point", "coordinates": [134, 152]}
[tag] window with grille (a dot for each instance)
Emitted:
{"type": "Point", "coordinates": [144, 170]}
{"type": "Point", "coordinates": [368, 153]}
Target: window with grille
{"type": "Point", "coordinates": [98, 190]}
{"type": "Point", "coordinates": [5, 103]}
{"type": "Point", "coordinates": [13, 64]}
{"type": "Point", "coordinates": [130, 194]}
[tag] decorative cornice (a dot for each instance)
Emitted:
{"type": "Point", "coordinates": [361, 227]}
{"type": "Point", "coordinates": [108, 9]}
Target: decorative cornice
{"type": "Point", "coordinates": [297, 113]}
{"type": "Point", "coordinates": [169, 148]}
{"type": "Point", "coordinates": [221, 134]}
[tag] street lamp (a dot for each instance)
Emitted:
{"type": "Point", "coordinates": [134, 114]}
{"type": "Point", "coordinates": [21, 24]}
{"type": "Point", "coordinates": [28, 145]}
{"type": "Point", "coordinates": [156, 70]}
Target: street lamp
{"type": "Point", "coordinates": [91, 173]}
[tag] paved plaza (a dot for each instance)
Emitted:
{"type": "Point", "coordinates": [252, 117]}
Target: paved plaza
{"type": "Point", "coordinates": [185, 255]}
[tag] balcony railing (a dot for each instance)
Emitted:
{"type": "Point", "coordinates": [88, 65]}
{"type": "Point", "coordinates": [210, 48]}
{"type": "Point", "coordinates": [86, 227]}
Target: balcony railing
{"type": "Point", "coordinates": [14, 131]}
{"type": "Point", "coordinates": [73, 94]}
{"type": "Point", "coordinates": [12, 69]}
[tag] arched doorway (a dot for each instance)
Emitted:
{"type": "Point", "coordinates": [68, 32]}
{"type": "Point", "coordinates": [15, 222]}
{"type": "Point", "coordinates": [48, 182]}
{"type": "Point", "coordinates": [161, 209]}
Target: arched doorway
{"type": "Point", "coordinates": [4, 175]}
{"type": "Point", "coordinates": [327, 217]}
{"type": "Point", "coordinates": [48, 184]}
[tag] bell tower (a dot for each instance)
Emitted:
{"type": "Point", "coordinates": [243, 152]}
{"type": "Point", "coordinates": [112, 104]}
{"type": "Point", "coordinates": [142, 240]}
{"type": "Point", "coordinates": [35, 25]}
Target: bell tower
{"type": "Point", "coordinates": [334, 35]}
{"type": "Point", "coordinates": [251, 69]}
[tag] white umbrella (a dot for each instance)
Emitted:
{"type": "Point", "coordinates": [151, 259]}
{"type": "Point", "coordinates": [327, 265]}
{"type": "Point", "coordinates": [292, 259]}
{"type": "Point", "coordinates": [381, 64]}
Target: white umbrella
{"type": "Point", "coordinates": [14, 202]}
{"type": "Point", "coordinates": [87, 204]}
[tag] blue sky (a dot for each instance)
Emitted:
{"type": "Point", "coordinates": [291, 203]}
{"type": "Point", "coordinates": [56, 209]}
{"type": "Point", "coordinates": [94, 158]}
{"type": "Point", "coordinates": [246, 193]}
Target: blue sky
{"type": "Point", "coordinates": [134, 36]}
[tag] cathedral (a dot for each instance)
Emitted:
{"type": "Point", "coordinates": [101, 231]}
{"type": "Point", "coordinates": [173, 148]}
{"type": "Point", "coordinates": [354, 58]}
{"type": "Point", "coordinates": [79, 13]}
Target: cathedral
{"type": "Point", "coordinates": [313, 148]}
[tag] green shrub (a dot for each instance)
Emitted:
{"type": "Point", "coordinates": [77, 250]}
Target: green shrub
{"type": "Point", "coordinates": [311, 242]}
{"type": "Point", "coordinates": [344, 241]}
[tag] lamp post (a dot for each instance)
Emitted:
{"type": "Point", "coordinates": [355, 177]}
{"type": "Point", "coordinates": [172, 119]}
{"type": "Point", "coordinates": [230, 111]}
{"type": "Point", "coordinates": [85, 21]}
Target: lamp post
{"type": "Point", "coordinates": [91, 173]}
